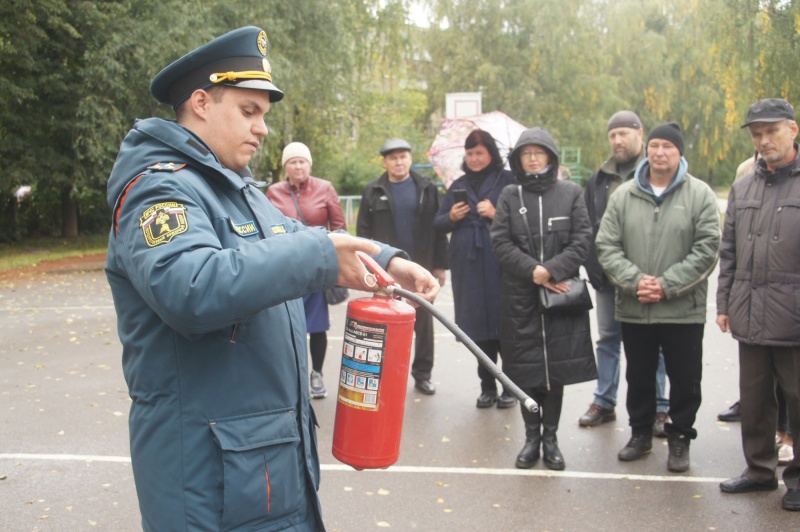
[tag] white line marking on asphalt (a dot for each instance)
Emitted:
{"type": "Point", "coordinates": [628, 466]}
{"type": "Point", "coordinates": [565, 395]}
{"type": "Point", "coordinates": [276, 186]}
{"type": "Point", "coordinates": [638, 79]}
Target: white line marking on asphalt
{"type": "Point", "coordinates": [527, 473]}
{"type": "Point", "coordinates": [65, 457]}
{"type": "Point", "coordinates": [18, 309]}
{"type": "Point", "coordinates": [410, 469]}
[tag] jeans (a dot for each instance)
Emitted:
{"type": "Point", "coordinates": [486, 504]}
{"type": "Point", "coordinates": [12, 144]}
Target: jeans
{"type": "Point", "coordinates": [609, 343]}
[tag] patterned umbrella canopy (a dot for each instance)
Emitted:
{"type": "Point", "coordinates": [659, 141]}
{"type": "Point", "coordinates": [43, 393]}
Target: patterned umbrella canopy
{"type": "Point", "coordinates": [447, 151]}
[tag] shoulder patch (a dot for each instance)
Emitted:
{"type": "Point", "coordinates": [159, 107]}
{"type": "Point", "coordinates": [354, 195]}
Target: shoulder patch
{"type": "Point", "coordinates": [278, 229]}
{"type": "Point", "coordinates": [162, 222]}
{"type": "Point", "coordinates": [166, 167]}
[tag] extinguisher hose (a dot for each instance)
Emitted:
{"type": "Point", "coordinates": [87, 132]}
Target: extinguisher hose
{"type": "Point", "coordinates": [508, 385]}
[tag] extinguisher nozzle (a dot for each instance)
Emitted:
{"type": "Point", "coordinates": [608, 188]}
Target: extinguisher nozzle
{"type": "Point", "coordinates": [530, 405]}
{"type": "Point", "coordinates": [485, 361]}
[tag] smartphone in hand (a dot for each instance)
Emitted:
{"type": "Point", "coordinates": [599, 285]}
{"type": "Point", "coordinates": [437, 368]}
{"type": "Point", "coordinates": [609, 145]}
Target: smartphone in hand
{"type": "Point", "coordinates": [460, 195]}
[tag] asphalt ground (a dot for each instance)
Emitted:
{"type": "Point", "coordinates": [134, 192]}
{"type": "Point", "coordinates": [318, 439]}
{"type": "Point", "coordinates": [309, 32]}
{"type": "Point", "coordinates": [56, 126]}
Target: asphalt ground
{"type": "Point", "coordinates": [64, 457]}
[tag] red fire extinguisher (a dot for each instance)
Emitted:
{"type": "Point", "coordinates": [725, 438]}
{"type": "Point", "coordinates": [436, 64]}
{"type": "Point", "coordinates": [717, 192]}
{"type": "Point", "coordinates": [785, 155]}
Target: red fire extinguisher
{"type": "Point", "coordinates": [373, 377]}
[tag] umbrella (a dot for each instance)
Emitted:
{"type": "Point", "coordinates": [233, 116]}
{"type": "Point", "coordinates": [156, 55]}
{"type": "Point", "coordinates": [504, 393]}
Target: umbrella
{"type": "Point", "coordinates": [447, 151]}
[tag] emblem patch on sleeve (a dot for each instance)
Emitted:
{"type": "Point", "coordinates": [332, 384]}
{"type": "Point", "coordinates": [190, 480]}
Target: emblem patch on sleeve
{"type": "Point", "coordinates": [245, 229]}
{"type": "Point", "coordinates": [278, 229]}
{"type": "Point", "coordinates": [162, 222]}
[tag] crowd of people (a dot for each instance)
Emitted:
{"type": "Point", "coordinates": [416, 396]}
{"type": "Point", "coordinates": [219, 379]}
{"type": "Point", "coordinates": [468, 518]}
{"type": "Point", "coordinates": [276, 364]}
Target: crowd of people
{"type": "Point", "coordinates": [219, 289]}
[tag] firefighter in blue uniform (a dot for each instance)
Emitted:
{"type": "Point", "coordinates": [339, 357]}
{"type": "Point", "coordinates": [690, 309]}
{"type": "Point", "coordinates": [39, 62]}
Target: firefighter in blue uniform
{"type": "Point", "coordinates": [206, 276]}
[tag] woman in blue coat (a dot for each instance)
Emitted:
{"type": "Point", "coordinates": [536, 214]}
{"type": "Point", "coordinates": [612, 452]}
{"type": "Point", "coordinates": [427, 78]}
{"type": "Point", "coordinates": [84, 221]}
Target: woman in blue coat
{"type": "Point", "coordinates": [467, 212]}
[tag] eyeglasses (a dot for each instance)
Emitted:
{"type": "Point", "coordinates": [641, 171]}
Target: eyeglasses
{"type": "Point", "coordinates": [539, 154]}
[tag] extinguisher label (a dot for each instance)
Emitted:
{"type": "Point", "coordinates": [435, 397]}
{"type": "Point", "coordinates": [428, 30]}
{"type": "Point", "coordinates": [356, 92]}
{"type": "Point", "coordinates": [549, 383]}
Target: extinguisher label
{"type": "Point", "coordinates": [362, 363]}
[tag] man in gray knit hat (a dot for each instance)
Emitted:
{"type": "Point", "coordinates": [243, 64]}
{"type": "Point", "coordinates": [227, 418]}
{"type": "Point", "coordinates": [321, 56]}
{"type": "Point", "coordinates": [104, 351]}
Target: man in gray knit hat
{"type": "Point", "coordinates": [627, 150]}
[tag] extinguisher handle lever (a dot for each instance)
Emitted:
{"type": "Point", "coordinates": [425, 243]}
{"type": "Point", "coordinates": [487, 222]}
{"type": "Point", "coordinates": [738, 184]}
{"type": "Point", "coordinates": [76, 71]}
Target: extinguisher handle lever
{"type": "Point", "coordinates": [383, 279]}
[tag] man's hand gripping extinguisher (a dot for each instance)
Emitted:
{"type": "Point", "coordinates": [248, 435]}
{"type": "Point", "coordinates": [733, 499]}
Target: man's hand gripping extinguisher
{"type": "Point", "coordinates": [374, 374]}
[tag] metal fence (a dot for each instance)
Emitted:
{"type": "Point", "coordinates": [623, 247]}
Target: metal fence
{"type": "Point", "coordinates": [350, 208]}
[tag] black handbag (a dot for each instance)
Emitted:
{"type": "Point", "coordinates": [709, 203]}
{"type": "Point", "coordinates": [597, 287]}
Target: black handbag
{"type": "Point", "coordinates": [335, 294]}
{"type": "Point", "coordinates": [576, 301]}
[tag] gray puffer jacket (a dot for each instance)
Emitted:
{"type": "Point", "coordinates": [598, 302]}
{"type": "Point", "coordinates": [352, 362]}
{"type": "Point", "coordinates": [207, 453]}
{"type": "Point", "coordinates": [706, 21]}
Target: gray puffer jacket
{"type": "Point", "coordinates": [759, 277]}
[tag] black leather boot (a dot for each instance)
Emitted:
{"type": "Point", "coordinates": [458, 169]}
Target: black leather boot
{"type": "Point", "coordinates": [529, 454]}
{"type": "Point", "coordinates": [553, 459]}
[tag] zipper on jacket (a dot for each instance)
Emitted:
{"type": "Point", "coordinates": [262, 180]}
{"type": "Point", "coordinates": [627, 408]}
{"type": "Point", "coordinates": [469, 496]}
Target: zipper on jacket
{"type": "Point", "coordinates": [655, 213]}
{"type": "Point", "coordinates": [541, 259]}
{"type": "Point", "coordinates": [777, 224]}
{"type": "Point", "coordinates": [269, 487]}
{"type": "Point", "coordinates": [233, 334]}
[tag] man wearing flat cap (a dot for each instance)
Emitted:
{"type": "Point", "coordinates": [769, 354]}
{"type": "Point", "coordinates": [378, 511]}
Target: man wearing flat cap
{"type": "Point", "coordinates": [207, 278]}
{"type": "Point", "coordinates": [398, 208]}
{"type": "Point", "coordinates": [658, 244]}
{"type": "Point", "coordinates": [759, 292]}
{"type": "Point", "coordinates": [625, 134]}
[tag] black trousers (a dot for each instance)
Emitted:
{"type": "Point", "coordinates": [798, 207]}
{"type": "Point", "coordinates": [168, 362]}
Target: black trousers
{"type": "Point", "coordinates": [492, 350]}
{"type": "Point", "coordinates": [761, 368]}
{"type": "Point", "coordinates": [683, 358]}
{"type": "Point", "coordinates": [317, 344]}
{"type": "Point", "coordinates": [423, 345]}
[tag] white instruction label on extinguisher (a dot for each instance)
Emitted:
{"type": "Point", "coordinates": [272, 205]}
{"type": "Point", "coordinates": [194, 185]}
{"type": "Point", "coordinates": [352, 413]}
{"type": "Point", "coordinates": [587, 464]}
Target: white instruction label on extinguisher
{"type": "Point", "coordinates": [362, 363]}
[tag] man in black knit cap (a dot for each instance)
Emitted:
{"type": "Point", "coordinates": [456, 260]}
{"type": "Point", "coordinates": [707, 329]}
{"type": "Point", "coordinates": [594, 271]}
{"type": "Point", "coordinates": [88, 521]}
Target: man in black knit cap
{"type": "Point", "coordinates": [658, 244]}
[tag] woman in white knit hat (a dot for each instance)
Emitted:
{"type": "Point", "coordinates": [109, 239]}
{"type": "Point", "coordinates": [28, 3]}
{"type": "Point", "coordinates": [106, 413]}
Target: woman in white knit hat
{"type": "Point", "coordinates": [314, 202]}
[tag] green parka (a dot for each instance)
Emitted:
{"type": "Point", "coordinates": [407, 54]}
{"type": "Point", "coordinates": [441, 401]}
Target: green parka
{"type": "Point", "coordinates": [674, 237]}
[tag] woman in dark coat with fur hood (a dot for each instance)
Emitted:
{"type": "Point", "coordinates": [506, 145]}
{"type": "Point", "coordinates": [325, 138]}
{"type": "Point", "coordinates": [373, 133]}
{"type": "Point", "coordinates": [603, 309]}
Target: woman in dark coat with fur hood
{"type": "Point", "coordinates": [541, 353]}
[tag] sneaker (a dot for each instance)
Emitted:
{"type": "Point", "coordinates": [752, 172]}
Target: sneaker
{"type": "Point", "coordinates": [425, 386]}
{"type": "Point", "coordinates": [318, 390]}
{"type": "Point", "coordinates": [486, 399]}
{"type": "Point", "coordinates": [506, 400]}
{"type": "Point", "coordinates": [678, 461]}
{"type": "Point", "coordinates": [658, 427]}
{"type": "Point", "coordinates": [597, 415]}
{"type": "Point", "coordinates": [638, 446]}
{"type": "Point", "coordinates": [785, 454]}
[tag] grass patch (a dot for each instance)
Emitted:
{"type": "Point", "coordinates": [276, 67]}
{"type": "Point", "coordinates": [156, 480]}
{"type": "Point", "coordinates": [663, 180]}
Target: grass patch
{"type": "Point", "coordinates": [33, 251]}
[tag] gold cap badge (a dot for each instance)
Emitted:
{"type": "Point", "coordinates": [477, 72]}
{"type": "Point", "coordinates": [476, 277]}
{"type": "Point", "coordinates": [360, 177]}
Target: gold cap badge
{"type": "Point", "coordinates": [262, 42]}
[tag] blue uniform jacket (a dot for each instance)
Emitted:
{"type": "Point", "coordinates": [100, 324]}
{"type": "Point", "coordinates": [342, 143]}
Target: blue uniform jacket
{"type": "Point", "coordinates": [206, 276]}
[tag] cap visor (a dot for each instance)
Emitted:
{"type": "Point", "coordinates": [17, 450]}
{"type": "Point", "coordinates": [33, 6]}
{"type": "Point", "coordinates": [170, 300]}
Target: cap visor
{"type": "Point", "coordinates": [276, 94]}
{"type": "Point", "coordinates": [766, 120]}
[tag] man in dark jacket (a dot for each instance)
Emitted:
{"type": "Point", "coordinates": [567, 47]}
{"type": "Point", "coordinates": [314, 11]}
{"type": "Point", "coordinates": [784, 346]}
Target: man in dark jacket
{"type": "Point", "coordinates": [207, 277]}
{"type": "Point", "coordinates": [398, 208]}
{"type": "Point", "coordinates": [758, 294]}
{"type": "Point", "coordinates": [627, 150]}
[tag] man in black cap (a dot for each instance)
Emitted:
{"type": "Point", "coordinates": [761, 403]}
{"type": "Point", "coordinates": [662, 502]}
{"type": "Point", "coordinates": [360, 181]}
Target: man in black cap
{"type": "Point", "coordinates": [206, 276]}
{"type": "Point", "coordinates": [658, 244]}
{"type": "Point", "coordinates": [398, 208]}
{"type": "Point", "coordinates": [757, 295]}
{"type": "Point", "coordinates": [627, 151]}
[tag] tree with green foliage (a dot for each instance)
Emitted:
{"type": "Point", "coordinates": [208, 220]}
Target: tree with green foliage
{"type": "Point", "coordinates": [74, 75]}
